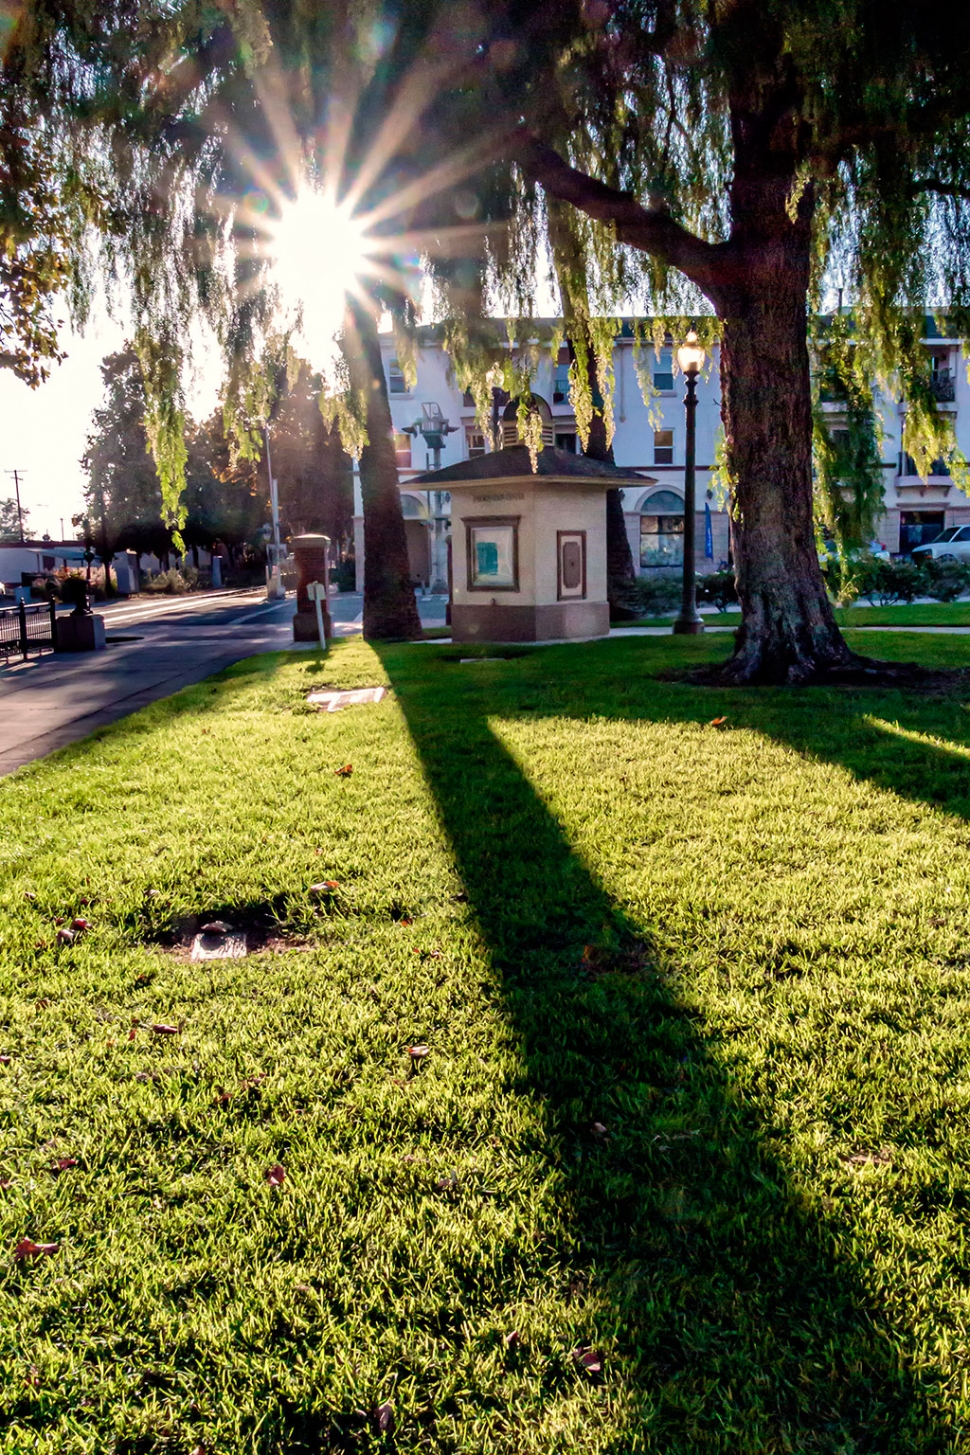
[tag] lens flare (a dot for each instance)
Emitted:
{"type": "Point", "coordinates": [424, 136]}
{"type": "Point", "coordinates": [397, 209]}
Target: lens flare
{"type": "Point", "coordinates": [320, 251]}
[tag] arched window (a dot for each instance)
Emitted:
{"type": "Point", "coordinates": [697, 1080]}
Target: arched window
{"type": "Point", "coordinates": [662, 529]}
{"type": "Point", "coordinates": [510, 424]}
{"type": "Point", "coordinates": [413, 508]}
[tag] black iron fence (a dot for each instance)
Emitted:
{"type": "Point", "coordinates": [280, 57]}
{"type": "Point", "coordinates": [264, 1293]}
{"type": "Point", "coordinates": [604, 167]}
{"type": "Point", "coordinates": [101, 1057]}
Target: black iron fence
{"type": "Point", "coordinates": [26, 628]}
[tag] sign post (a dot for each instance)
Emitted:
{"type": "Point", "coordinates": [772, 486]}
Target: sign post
{"type": "Point", "coordinates": [317, 592]}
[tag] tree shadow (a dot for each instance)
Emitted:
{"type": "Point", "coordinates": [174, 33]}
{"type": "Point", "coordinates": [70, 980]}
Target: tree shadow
{"type": "Point", "coordinates": [739, 1328]}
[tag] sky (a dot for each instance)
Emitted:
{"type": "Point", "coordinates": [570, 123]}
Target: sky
{"type": "Point", "coordinates": [43, 431]}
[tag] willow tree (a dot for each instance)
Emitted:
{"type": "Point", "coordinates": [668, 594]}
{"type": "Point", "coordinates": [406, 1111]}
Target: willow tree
{"type": "Point", "coordinates": [201, 128]}
{"type": "Point", "coordinates": [748, 150]}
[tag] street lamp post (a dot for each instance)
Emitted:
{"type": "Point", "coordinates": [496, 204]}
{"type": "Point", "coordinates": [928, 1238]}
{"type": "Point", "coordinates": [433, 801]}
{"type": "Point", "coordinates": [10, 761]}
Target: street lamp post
{"type": "Point", "coordinates": [690, 357]}
{"type": "Point", "coordinates": [275, 590]}
{"type": "Point", "coordinates": [433, 428]}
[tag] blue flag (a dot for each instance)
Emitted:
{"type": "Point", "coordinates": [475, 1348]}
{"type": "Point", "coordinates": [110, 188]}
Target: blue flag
{"type": "Point", "coordinates": [708, 534]}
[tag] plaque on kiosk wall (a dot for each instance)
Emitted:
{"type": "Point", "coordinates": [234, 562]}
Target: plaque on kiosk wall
{"type": "Point", "coordinates": [571, 546]}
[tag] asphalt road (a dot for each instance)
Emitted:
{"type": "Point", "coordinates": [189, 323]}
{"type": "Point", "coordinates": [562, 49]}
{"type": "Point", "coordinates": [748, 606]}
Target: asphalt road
{"type": "Point", "coordinates": [154, 648]}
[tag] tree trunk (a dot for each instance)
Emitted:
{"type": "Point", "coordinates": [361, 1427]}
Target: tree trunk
{"type": "Point", "coordinates": [619, 558]}
{"type": "Point", "coordinates": [788, 631]}
{"type": "Point", "coordinates": [390, 611]}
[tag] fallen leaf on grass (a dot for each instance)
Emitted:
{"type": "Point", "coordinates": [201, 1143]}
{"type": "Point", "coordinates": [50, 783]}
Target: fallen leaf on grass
{"type": "Point", "coordinates": [65, 937]}
{"type": "Point", "coordinates": [80, 924]}
{"type": "Point", "coordinates": [5, 1060]}
{"type": "Point", "coordinates": [41, 1004]}
{"type": "Point", "coordinates": [717, 722]}
{"type": "Point", "coordinates": [384, 1415]}
{"type": "Point", "coordinates": [599, 1131]}
{"type": "Point", "coordinates": [63, 1164]}
{"type": "Point", "coordinates": [588, 1359]}
{"type": "Point", "coordinates": [132, 1033]}
{"type": "Point", "coordinates": [326, 886]}
{"type": "Point", "coordinates": [513, 1340]}
{"type": "Point", "coordinates": [163, 1030]}
{"type": "Point", "coordinates": [449, 1183]}
{"type": "Point", "coordinates": [6, 1185]}
{"type": "Point", "coordinates": [27, 1248]}
{"type": "Point", "coordinates": [29, 894]}
{"type": "Point", "coordinates": [32, 1377]}
{"type": "Point", "coordinates": [345, 771]}
{"type": "Point", "coordinates": [276, 1176]}
{"type": "Point", "coordinates": [418, 1053]}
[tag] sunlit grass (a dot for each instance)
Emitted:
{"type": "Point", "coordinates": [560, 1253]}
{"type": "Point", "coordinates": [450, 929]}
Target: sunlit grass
{"type": "Point", "coordinates": [697, 1006]}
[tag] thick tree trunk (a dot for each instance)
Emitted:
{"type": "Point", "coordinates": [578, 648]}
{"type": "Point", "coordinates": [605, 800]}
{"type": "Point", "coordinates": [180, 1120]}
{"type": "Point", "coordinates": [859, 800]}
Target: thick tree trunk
{"type": "Point", "coordinates": [390, 611]}
{"type": "Point", "coordinates": [788, 631]}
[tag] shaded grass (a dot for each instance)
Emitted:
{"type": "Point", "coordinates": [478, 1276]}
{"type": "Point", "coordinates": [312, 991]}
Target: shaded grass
{"type": "Point", "coordinates": [741, 953]}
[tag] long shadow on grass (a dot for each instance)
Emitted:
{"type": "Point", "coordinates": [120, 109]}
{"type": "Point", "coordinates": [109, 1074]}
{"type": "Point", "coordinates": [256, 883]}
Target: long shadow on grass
{"type": "Point", "coordinates": [737, 1328]}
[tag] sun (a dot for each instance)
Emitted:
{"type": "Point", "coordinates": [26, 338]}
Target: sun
{"type": "Point", "coordinates": [320, 252]}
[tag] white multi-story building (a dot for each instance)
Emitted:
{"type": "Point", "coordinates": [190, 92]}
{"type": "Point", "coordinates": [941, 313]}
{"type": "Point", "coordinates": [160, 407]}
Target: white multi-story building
{"type": "Point", "coordinates": [650, 439]}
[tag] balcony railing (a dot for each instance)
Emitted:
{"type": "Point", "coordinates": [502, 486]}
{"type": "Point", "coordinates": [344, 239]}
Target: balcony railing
{"type": "Point", "coordinates": [944, 387]}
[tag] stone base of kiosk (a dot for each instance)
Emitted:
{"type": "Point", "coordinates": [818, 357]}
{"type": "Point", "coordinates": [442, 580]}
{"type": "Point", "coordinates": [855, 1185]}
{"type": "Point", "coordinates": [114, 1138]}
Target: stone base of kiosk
{"type": "Point", "coordinates": [564, 621]}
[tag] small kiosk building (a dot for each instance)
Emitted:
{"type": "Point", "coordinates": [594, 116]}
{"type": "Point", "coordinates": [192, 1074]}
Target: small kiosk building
{"type": "Point", "coordinates": [528, 559]}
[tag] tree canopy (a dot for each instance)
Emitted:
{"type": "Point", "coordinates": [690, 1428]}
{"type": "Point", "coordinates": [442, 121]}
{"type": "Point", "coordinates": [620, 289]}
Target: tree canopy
{"type": "Point", "coordinates": [730, 160]}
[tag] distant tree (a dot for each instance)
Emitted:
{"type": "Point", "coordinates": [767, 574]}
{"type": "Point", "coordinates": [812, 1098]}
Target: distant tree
{"type": "Point", "coordinates": [10, 520]}
{"type": "Point", "coordinates": [225, 499]}
{"type": "Point", "coordinates": [123, 492]}
{"type": "Point", "coordinates": [310, 464]}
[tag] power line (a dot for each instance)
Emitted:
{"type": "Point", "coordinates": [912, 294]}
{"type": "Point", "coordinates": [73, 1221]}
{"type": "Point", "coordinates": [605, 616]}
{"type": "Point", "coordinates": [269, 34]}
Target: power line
{"type": "Point", "coordinates": [16, 485]}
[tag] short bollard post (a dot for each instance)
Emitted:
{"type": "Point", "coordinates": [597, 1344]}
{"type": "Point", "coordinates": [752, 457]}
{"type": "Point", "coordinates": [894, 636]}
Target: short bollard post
{"type": "Point", "coordinates": [22, 614]}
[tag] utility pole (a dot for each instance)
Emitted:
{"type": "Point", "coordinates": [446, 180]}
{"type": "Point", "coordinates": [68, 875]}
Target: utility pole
{"type": "Point", "coordinates": [16, 485]}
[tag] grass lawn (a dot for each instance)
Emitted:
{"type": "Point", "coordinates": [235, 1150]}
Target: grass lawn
{"type": "Point", "coordinates": [696, 1102]}
{"type": "Point", "coordinates": [936, 613]}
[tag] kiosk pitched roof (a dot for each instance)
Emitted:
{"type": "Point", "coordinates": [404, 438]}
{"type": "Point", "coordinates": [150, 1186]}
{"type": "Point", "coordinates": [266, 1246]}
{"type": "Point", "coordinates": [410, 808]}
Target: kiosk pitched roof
{"type": "Point", "coordinates": [515, 463]}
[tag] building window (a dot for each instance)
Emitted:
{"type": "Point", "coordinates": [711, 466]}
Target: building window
{"type": "Point", "coordinates": [663, 371]}
{"type": "Point", "coordinates": [402, 451]}
{"type": "Point", "coordinates": [919, 528]}
{"type": "Point", "coordinates": [663, 447]}
{"type": "Point", "coordinates": [560, 383]}
{"type": "Point", "coordinates": [566, 442]}
{"type": "Point", "coordinates": [396, 382]}
{"type": "Point", "coordinates": [662, 530]}
{"type": "Point", "coordinates": [907, 465]}
{"type": "Point", "coordinates": [474, 443]}
{"type": "Point", "coordinates": [493, 554]}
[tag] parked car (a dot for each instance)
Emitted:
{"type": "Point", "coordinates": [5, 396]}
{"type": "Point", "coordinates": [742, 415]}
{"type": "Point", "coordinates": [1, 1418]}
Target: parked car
{"type": "Point", "coordinates": [952, 545]}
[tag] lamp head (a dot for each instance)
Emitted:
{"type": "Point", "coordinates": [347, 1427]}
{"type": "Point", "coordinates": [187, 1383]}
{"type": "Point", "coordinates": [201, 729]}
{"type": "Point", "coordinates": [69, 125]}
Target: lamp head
{"type": "Point", "coordinates": [691, 355]}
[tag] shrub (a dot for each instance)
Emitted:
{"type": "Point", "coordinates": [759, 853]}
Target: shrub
{"type": "Point", "coordinates": [944, 580]}
{"type": "Point", "coordinates": [174, 583]}
{"type": "Point", "coordinates": [653, 595]}
{"type": "Point", "coordinates": [73, 591]}
{"type": "Point", "coordinates": [886, 583]}
{"type": "Point", "coordinates": [344, 575]}
{"type": "Point", "coordinates": [717, 589]}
